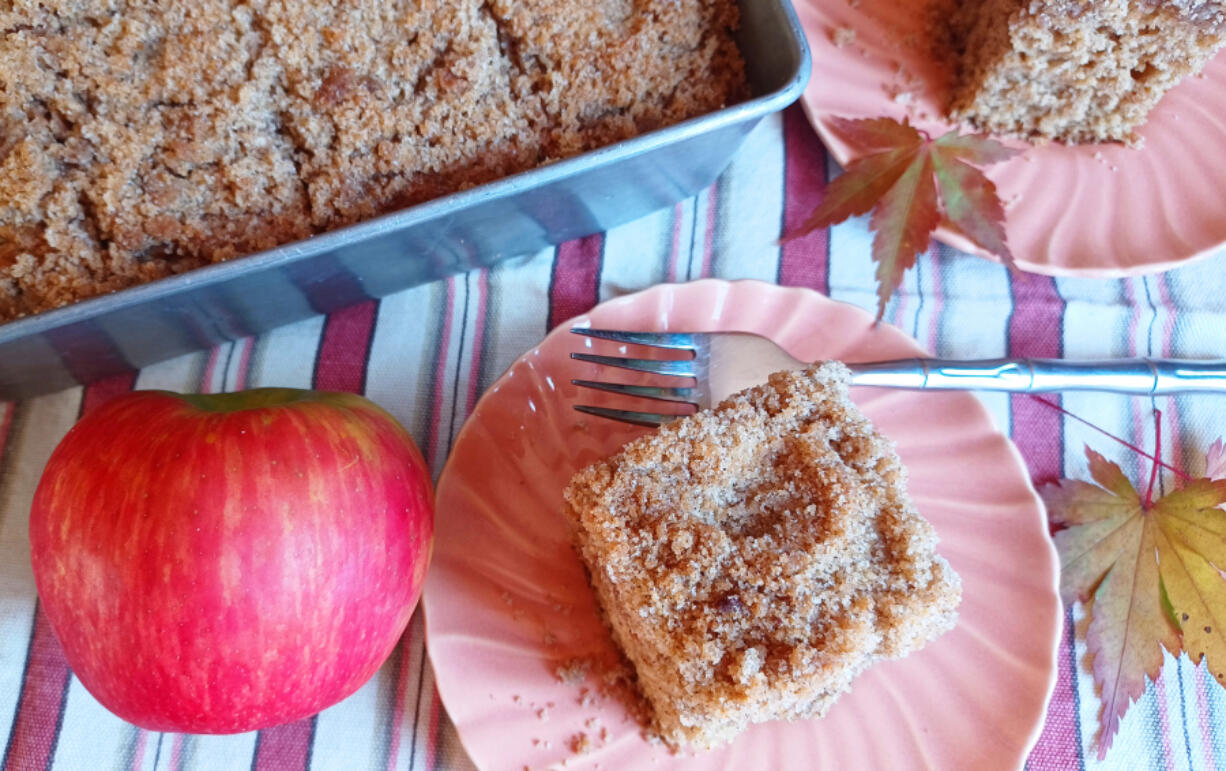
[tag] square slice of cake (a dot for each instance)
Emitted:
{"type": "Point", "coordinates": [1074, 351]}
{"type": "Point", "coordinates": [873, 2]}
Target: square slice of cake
{"type": "Point", "coordinates": [1074, 70]}
{"type": "Point", "coordinates": [751, 560]}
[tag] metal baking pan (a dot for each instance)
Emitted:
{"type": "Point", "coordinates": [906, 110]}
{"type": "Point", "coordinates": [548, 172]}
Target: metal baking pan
{"type": "Point", "coordinates": [517, 215]}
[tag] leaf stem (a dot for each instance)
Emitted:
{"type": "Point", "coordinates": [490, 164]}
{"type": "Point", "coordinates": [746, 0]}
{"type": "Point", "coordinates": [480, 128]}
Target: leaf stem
{"type": "Point", "coordinates": [1104, 432]}
{"type": "Point", "coordinates": [1153, 474]}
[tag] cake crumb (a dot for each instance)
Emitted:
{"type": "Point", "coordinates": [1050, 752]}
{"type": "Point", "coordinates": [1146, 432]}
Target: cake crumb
{"type": "Point", "coordinates": [843, 36]}
{"type": "Point", "coordinates": [579, 744]}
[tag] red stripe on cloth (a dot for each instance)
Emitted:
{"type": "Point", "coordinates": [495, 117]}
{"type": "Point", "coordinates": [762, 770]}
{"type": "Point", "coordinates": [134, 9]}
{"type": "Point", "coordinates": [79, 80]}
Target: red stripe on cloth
{"type": "Point", "coordinates": [344, 348]}
{"type": "Point", "coordinates": [285, 747]}
{"type": "Point", "coordinates": [340, 365]}
{"type": "Point", "coordinates": [36, 727]}
{"type": "Point", "coordinates": [575, 285]}
{"type": "Point", "coordinates": [44, 687]}
{"type": "Point", "coordinates": [101, 391]}
{"type": "Point", "coordinates": [6, 422]}
{"type": "Point", "coordinates": [803, 261]}
{"type": "Point", "coordinates": [1036, 329]}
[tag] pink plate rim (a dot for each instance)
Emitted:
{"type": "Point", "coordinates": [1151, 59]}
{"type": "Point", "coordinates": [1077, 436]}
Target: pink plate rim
{"type": "Point", "coordinates": [450, 584]}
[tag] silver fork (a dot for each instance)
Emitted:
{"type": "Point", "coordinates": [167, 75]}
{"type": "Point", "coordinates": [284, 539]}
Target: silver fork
{"type": "Point", "coordinates": [722, 363]}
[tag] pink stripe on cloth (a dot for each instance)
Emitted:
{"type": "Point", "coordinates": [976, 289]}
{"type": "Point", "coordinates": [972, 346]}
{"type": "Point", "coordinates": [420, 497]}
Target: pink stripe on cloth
{"type": "Point", "coordinates": [803, 261]}
{"type": "Point", "coordinates": [675, 245]}
{"type": "Point", "coordinates": [176, 753]}
{"type": "Point", "coordinates": [1173, 431]}
{"type": "Point", "coordinates": [708, 234]}
{"type": "Point", "coordinates": [478, 344]}
{"type": "Point", "coordinates": [138, 749]}
{"type": "Point", "coordinates": [440, 379]}
{"type": "Point", "coordinates": [210, 370]}
{"type": "Point", "coordinates": [574, 287]}
{"type": "Point", "coordinates": [938, 299]}
{"type": "Point", "coordinates": [1036, 329]}
{"type": "Point", "coordinates": [340, 364]}
{"type": "Point", "coordinates": [402, 690]}
{"type": "Point", "coordinates": [1164, 719]}
{"type": "Point", "coordinates": [285, 747]}
{"type": "Point", "coordinates": [244, 363]}
{"type": "Point", "coordinates": [1202, 710]}
{"type": "Point", "coordinates": [44, 688]}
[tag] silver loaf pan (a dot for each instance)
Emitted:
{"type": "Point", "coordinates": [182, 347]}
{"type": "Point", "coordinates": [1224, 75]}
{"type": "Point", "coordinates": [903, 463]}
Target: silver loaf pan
{"type": "Point", "coordinates": [475, 228]}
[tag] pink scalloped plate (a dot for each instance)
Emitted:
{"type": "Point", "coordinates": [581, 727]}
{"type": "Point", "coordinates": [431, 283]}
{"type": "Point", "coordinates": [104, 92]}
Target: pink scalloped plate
{"type": "Point", "coordinates": [1089, 210]}
{"type": "Point", "coordinates": [508, 606]}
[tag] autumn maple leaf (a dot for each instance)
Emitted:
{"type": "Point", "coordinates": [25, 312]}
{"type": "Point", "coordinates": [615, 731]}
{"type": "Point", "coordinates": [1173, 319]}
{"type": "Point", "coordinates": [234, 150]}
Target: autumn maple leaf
{"type": "Point", "coordinates": [912, 183]}
{"type": "Point", "coordinates": [1150, 569]}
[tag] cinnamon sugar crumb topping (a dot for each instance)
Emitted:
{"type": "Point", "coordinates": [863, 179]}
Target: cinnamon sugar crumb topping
{"type": "Point", "coordinates": [144, 138]}
{"type": "Point", "coordinates": [753, 559]}
{"type": "Point", "coordinates": [1073, 70]}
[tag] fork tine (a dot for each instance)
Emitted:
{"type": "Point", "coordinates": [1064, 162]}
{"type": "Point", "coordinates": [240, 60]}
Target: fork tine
{"type": "Point", "coordinates": [674, 368]}
{"type": "Point", "coordinates": [681, 395]}
{"type": "Point", "coordinates": [649, 419]}
{"type": "Point", "coordinates": [676, 341]}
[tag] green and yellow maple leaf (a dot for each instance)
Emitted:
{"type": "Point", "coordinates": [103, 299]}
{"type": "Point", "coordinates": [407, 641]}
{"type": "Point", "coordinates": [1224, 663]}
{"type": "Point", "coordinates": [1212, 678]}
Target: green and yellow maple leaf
{"type": "Point", "coordinates": [912, 183]}
{"type": "Point", "coordinates": [1151, 571]}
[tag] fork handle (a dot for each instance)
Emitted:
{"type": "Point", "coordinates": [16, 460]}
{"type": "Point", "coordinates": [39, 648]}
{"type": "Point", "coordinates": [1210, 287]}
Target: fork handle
{"type": "Point", "coordinates": [1146, 377]}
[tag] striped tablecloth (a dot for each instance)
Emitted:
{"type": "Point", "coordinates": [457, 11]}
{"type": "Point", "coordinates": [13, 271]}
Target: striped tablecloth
{"type": "Point", "coordinates": [426, 354]}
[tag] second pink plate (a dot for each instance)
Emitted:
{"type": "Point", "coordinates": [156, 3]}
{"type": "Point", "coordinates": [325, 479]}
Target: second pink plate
{"type": "Point", "coordinates": [508, 608]}
{"type": "Point", "coordinates": [1089, 210]}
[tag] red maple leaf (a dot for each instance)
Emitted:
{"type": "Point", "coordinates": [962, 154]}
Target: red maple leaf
{"type": "Point", "coordinates": [912, 183]}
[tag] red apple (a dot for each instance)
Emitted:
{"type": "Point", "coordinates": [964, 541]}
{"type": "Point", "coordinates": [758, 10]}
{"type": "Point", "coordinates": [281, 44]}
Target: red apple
{"type": "Point", "coordinates": [215, 564]}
